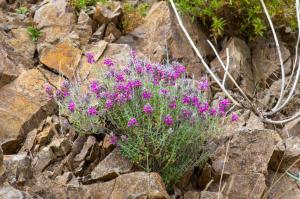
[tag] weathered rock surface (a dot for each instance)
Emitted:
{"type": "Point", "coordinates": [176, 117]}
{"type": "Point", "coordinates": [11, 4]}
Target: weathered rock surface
{"type": "Point", "coordinates": [112, 166]}
{"type": "Point", "coordinates": [291, 129]}
{"type": "Point", "coordinates": [249, 152]}
{"type": "Point", "coordinates": [62, 57]}
{"type": "Point", "coordinates": [23, 105]}
{"type": "Point", "coordinates": [152, 37]}
{"type": "Point", "coordinates": [132, 185]}
{"type": "Point", "coordinates": [239, 65]}
{"type": "Point", "coordinates": [104, 14]}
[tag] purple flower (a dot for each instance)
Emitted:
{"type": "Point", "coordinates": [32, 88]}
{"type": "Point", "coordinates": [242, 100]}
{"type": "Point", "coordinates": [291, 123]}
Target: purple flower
{"type": "Point", "coordinates": [109, 104]}
{"type": "Point", "coordinates": [168, 120]}
{"type": "Point", "coordinates": [186, 100]}
{"type": "Point", "coordinates": [49, 90]}
{"type": "Point", "coordinates": [59, 94]}
{"type": "Point", "coordinates": [172, 105]}
{"type": "Point", "coordinates": [149, 68]}
{"type": "Point", "coordinates": [195, 101]}
{"type": "Point", "coordinates": [66, 93]}
{"type": "Point", "coordinates": [223, 105]}
{"type": "Point", "coordinates": [148, 109]}
{"type": "Point", "coordinates": [71, 106]}
{"type": "Point", "coordinates": [186, 114]}
{"type": "Point", "coordinates": [90, 58]}
{"type": "Point", "coordinates": [133, 54]}
{"type": "Point", "coordinates": [92, 111]}
{"type": "Point", "coordinates": [132, 122]}
{"type": "Point", "coordinates": [120, 77]}
{"type": "Point", "coordinates": [113, 139]}
{"type": "Point", "coordinates": [65, 85]}
{"type": "Point", "coordinates": [203, 85]}
{"type": "Point", "coordinates": [95, 87]}
{"type": "Point", "coordinates": [163, 91]}
{"type": "Point", "coordinates": [203, 107]}
{"type": "Point", "coordinates": [234, 117]}
{"type": "Point", "coordinates": [108, 62]}
{"type": "Point", "coordinates": [146, 95]}
{"type": "Point", "coordinates": [137, 83]}
{"type": "Point", "coordinates": [213, 112]}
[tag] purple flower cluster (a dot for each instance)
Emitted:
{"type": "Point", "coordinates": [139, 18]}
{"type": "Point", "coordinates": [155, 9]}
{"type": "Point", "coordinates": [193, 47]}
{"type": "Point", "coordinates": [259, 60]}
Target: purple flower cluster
{"type": "Point", "coordinates": [132, 122]}
{"type": "Point", "coordinates": [90, 58]}
{"type": "Point", "coordinates": [92, 111]}
{"type": "Point", "coordinates": [148, 109]}
{"type": "Point", "coordinates": [168, 120]}
{"type": "Point", "coordinates": [108, 62]}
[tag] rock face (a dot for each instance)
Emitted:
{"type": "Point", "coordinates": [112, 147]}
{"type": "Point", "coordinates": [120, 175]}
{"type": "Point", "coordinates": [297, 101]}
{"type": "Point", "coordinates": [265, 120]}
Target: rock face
{"type": "Point", "coordinates": [154, 36]}
{"type": "Point", "coordinates": [104, 15]}
{"type": "Point", "coordinates": [62, 57]}
{"type": "Point", "coordinates": [15, 120]}
{"type": "Point", "coordinates": [239, 65]}
{"type": "Point", "coordinates": [112, 166]}
{"type": "Point", "coordinates": [132, 185]}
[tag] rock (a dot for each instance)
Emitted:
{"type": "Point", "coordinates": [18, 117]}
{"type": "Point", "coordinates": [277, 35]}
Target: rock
{"type": "Point", "coordinates": [245, 186]}
{"type": "Point", "coordinates": [43, 159]}
{"type": "Point", "coordinates": [85, 27]}
{"type": "Point", "coordinates": [281, 186]}
{"type": "Point", "coordinates": [206, 176]}
{"type": "Point", "coordinates": [132, 185]}
{"type": "Point", "coordinates": [291, 129]}
{"type": "Point", "coordinates": [2, 167]}
{"type": "Point", "coordinates": [85, 149]}
{"type": "Point", "coordinates": [29, 141]}
{"type": "Point", "coordinates": [112, 166]}
{"type": "Point", "coordinates": [264, 54]}
{"type": "Point", "coordinates": [62, 57]}
{"type": "Point", "coordinates": [160, 30]}
{"type": "Point", "coordinates": [104, 15]}
{"type": "Point", "coordinates": [99, 34]}
{"type": "Point", "coordinates": [26, 91]}
{"type": "Point", "coordinates": [192, 195]}
{"type": "Point", "coordinates": [112, 33]}
{"type": "Point", "coordinates": [254, 122]}
{"type": "Point", "coordinates": [45, 136]}
{"type": "Point", "coordinates": [60, 146]}
{"type": "Point", "coordinates": [211, 195]}
{"type": "Point", "coordinates": [8, 70]}
{"type": "Point", "coordinates": [239, 67]}
{"type": "Point", "coordinates": [249, 152]}
{"type": "Point", "coordinates": [9, 192]}
{"type": "Point", "coordinates": [18, 169]}
{"type": "Point", "coordinates": [22, 42]}
{"type": "Point", "coordinates": [286, 154]}
{"type": "Point", "coordinates": [64, 179]}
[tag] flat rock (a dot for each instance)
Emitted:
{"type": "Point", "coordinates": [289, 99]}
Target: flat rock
{"type": "Point", "coordinates": [291, 129]}
{"type": "Point", "coordinates": [104, 14]}
{"type": "Point", "coordinates": [133, 185]}
{"type": "Point", "coordinates": [23, 105]}
{"type": "Point", "coordinates": [62, 57]}
{"type": "Point", "coordinates": [112, 166]}
{"type": "Point", "coordinates": [249, 152]}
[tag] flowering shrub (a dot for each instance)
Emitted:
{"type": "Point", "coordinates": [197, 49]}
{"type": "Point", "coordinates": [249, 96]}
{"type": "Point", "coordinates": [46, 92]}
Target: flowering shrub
{"type": "Point", "coordinates": [162, 118]}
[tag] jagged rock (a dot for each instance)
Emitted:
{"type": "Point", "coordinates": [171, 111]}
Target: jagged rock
{"type": "Point", "coordinates": [85, 27]}
{"type": "Point", "coordinates": [15, 120]}
{"type": "Point", "coordinates": [9, 192]}
{"type": "Point", "coordinates": [62, 57]}
{"type": "Point", "coordinates": [104, 14]}
{"type": "Point", "coordinates": [18, 169]}
{"type": "Point", "coordinates": [29, 141]}
{"type": "Point", "coordinates": [254, 122]}
{"type": "Point", "coordinates": [132, 185]}
{"type": "Point", "coordinates": [43, 159]}
{"type": "Point", "coordinates": [249, 152]}
{"type": "Point", "coordinates": [85, 149]}
{"type": "Point", "coordinates": [245, 186]}
{"type": "Point", "coordinates": [205, 176]}
{"type": "Point", "coordinates": [60, 146]}
{"type": "Point", "coordinates": [45, 136]}
{"type": "Point", "coordinates": [160, 30]}
{"type": "Point", "coordinates": [286, 154]}
{"type": "Point", "coordinates": [192, 195]}
{"type": "Point", "coordinates": [211, 195]}
{"type": "Point", "coordinates": [112, 33]}
{"type": "Point", "coordinates": [266, 61]}
{"type": "Point", "coordinates": [112, 166]}
{"type": "Point", "coordinates": [291, 129]}
{"type": "Point", "coordinates": [282, 186]}
{"type": "Point", "coordinates": [2, 167]}
{"type": "Point", "coordinates": [99, 34]}
{"type": "Point", "coordinates": [239, 67]}
{"type": "Point", "coordinates": [22, 43]}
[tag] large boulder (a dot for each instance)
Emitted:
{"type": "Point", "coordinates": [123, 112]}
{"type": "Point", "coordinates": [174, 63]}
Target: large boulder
{"type": "Point", "coordinates": [23, 105]}
{"type": "Point", "coordinates": [239, 65]}
{"type": "Point", "coordinates": [132, 185]}
{"type": "Point", "coordinates": [160, 35]}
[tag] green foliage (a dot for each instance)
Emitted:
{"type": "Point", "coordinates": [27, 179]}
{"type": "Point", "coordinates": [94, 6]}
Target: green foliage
{"type": "Point", "coordinates": [22, 10]}
{"type": "Point", "coordinates": [34, 33]}
{"type": "Point", "coordinates": [81, 4]}
{"type": "Point", "coordinates": [240, 16]}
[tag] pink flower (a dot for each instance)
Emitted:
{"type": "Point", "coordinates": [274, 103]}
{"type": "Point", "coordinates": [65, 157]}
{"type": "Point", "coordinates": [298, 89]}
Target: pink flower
{"type": "Point", "coordinates": [148, 109]}
{"type": "Point", "coordinates": [90, 58]}
{"type": "Point", "coordinates": [203, 85]}
{"type": "Point", "coordinates": [71, 106]}
{"type": "Point", "coordinates": [234, 117]}
{"type": "Point", "coordinates": [132, 122]}
{"type": "Point", "coordinates": [146, 95]}
{"type": "Point", "coordinates": [92, 111]}
{"type": "Point", "coordinates": [172, 105]}
{"type": "Point", "coordinates": [168, 120]}
{"type": "Point", "coordinates": [49, 90]}
{"type": "Point", "coordinates": [95, 87]}
{"type": "Point", "coordinates": [108, 62]}
{"type": "Point", "coordinates": [113, 139]}
{"type": "Point", "coordinates": [109, 104]}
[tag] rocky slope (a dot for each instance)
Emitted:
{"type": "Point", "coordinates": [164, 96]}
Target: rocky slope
{"type": "Point", "coordinates": [40, 157]}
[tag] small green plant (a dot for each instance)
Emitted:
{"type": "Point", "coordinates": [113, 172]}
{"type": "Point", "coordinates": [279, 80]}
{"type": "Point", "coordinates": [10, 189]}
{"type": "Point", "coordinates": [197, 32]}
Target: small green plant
{"type": "Point", "coordinates": [81, 4]}
{"type": "Point", "coordinates": [22, 10]}
{"type": "Point", "coordinates": [244, 17]}
{"type": "Point", "coordinates": [34, 33]}
{"type": "Point", "coordinates": [161, 118]}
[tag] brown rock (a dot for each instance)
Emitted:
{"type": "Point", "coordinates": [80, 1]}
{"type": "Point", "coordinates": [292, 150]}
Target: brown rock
{"type": "Point", "coordinates": [211, 195]}
{"type": "Point", "coordinates": [43, 159]}
{"type": "Point", "coordinates": [239, 67]}
{"type": "Point", "coordinates": [281, 186]}
{"type": "Point", "coordinates": [91, 140]}
{"type": "Point", "coordinates": [160, 30]}
{"type": "Point", "coordinates": [85, 27]}
{"type": "Point", "coordinates": [112, 166]}
{"type": "Point", "coordinates": [133, 185]}
{"type": "Point", "coordinates": [254, 122]}
{"type": "Point", "coordinates": [99, 34]}
{"type": "Point", "coordinates": [192, 195]}
{"type": "Point", "coordinates": [245, 186]}
{"type": "Point", "coordinates": [22, 43]}
{"type": "Point", "coordinates": [7, 191]}
{"type": "Point", "coordinates": [45, 136]}
{"type": "Point", "coordinates": [291, 129]}
{"type": "Point", "coordinates": [104, 14]}
{"type": "Point", "coordinates": [62, 57]}
{"type": "Point", "coordinates": [15, 120]}
{"type": "Point", "coordinates": [60, 146]}
{"type": "Point", "coordinates": [249, 152]}
{"type": "Point", "coordinates": [112, 33]}
{"type": "Point", "coordinates": [29, 141]}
